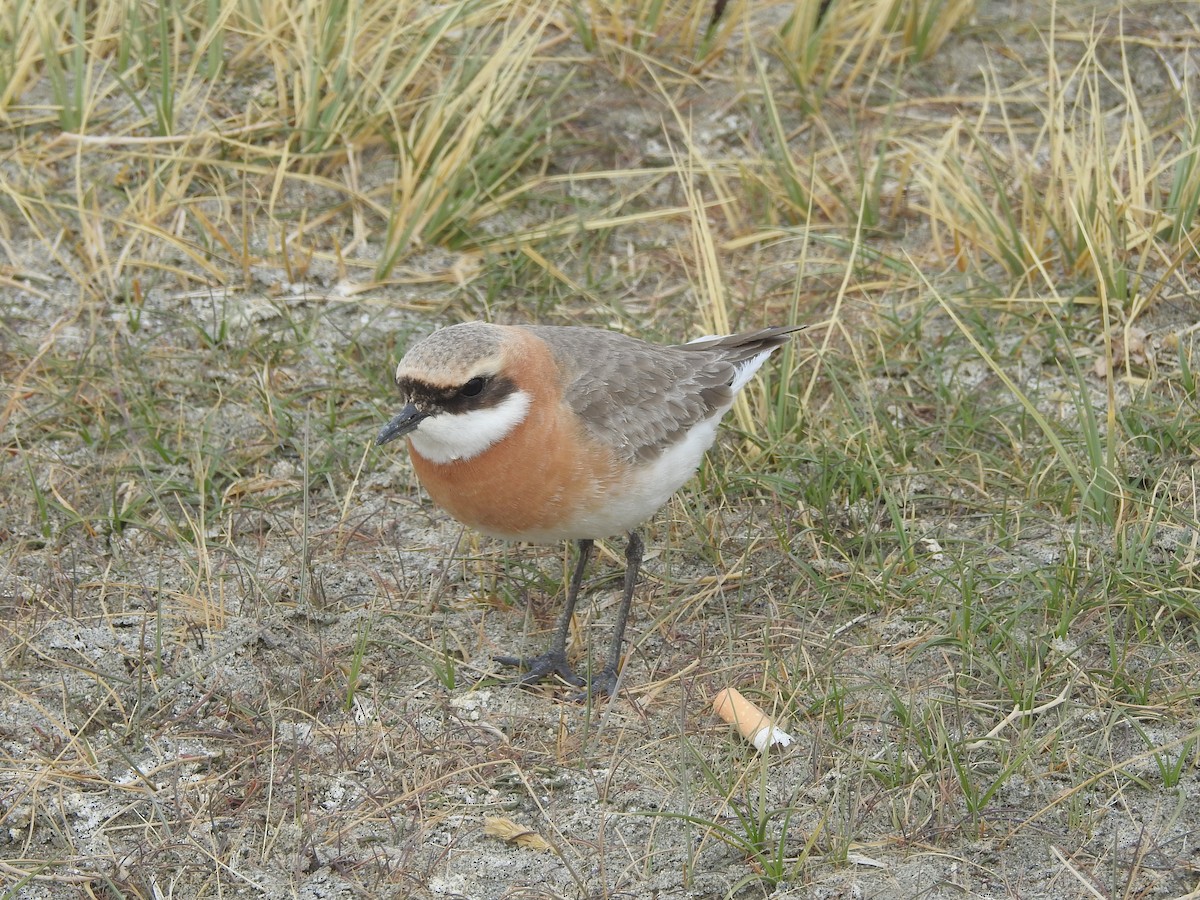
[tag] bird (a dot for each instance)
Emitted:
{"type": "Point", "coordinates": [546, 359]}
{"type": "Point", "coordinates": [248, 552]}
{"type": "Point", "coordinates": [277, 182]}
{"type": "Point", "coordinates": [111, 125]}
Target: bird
{"type": "Point", "coordinates": [548, 433]}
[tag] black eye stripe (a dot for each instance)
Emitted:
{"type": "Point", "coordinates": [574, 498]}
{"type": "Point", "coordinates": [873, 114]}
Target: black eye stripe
{"type": "Point", "coordinates": [492, 391]}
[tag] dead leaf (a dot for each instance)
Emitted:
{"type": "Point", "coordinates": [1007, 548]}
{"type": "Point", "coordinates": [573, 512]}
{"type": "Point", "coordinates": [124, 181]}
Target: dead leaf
{"type": "Point", "coordinates": [512, 833]}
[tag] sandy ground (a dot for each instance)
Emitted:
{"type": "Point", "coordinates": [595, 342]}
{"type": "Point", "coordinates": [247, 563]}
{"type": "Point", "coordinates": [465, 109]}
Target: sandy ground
{"type": "Point", "coordinates": [285, 688]}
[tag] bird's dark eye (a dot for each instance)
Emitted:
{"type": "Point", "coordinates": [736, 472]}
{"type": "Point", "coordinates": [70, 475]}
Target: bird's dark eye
{"type": "Point", "coordinates": [472, 388]}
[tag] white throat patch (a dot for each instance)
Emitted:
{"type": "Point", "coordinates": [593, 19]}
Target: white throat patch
{"type": "Point", "coordinates": [451, 437]}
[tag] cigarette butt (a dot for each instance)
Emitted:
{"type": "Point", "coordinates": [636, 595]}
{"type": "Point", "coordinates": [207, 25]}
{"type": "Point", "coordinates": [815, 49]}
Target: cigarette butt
{"type": "Point", "coordinates": [753, 724]}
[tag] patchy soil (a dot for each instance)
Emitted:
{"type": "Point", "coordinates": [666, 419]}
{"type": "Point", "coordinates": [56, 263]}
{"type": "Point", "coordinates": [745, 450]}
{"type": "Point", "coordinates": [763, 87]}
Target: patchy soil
{"type": "Point", "coordinates": [243, 655]}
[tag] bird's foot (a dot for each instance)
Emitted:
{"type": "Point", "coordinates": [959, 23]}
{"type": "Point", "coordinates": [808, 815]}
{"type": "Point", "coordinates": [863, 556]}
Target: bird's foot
{"type": "Point", "coordinates": [603, 684]}
{"type": "Point", "coordinates": [538, 668]}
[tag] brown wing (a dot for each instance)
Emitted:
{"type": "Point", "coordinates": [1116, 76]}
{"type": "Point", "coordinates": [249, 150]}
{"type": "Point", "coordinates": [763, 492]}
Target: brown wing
{"type": "Point", "coordinates": [640, 398]}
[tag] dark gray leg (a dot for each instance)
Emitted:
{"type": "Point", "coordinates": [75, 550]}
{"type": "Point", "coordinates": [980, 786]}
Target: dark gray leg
{"type": "Point", "coordinates": [554, 660]}
{"type": "Point", "coordinates": [605, 681]}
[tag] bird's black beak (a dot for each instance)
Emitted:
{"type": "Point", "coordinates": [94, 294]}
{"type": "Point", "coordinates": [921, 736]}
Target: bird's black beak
{"type": "Point", "coordinates": [408, 420]}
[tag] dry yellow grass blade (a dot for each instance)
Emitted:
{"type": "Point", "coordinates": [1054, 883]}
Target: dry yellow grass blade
{"type": "Point", "coordinates": [630, 36]}
{"type": "Point", "coordinates": [857, 38]}
{"type": "Point", "coordinates": [442, 140]}
{"type": "Point", "coordinates": [1078, 189]}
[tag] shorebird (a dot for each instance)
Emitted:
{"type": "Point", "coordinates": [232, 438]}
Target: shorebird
{"type": "Point", "coordinates": [551, 433]}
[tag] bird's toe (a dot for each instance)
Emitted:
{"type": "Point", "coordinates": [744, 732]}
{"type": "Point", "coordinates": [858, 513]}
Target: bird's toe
{"type": "Point", "coordinates": [602, 684]}
{"type": "Point", "coordinates": [539, 668]}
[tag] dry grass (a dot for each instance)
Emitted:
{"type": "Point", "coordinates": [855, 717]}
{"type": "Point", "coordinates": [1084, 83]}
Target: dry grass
{"type": "Point", "coordinates": [951, 537]}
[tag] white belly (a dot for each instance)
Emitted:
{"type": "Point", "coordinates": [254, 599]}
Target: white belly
{"type": "Point", "coordinates": [644, 493]}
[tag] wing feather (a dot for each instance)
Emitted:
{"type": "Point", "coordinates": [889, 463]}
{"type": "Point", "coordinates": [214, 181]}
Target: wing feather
{"type": "Point", "coordinates": [641, 398]}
